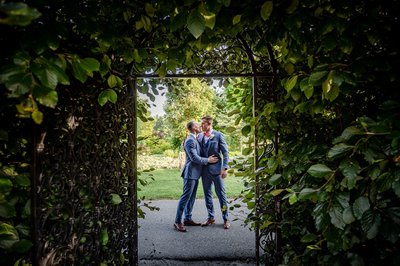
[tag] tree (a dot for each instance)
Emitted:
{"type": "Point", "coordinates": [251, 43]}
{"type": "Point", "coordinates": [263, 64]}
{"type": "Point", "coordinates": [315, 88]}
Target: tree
{"type": "Point", "coordinates": [187, 100]}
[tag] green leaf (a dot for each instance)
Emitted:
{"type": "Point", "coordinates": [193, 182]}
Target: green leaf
{"type": "Point", "coordinates": [22, 246]}
{"type": "Point", "coordinates": [343, 199]}
{"type": "Point", "coordinates": [290, 83]}
{"type": "Point", "coordinates": [77, 70]}
{"type": "Point", "coordinates": [230, 129]}
{"type": "Point", "coordinates": [26, 211]}
{"type": "Point", "coordinates": [236, 19]}
{"type": "Point", "coordinates": [350, 169]}
{"type": "Point", "coordinates": [319, 170]}
{"type": "Point", "coordinates": [7, 210]}
{"type": "Point", "coordinates": [336, 216]}
{"type": "Point", "coordinates": [5, 185]}
{"type": "Point", "coordinates": [112, 81]}
{"type": "Point", "coordinates": [104, 237]}
{"type": "Point", "coordinates": [370, 223]}
{"type": "Point", "coordinates": [276, 192]}
{"type": "Point", "coordinates": [226, 3]}
{"type": "Point", "coordinates": [146, 22]}
{"type": "Point", "coordinates": [8, 236]}
{"type": "Point", "coordinates": [339, 150]}
{"type": "Point", "coordinates": [329, 88]}
{"type": "Point", "coordinates": [266, 10]}
{"type": "Point", "coordinates": [246, 130]}
{"type": "Point", "coordinates": [115, 199]}
{"type": "Point", "coordinates": [308, 193]}
{"type": "Point", "coordinates": [247, 151]}
{"type": "Point", "coordinates": [275, 179]}
{"type": "Point", "coordinates": [24, 230]}
{"type": "Point", "coordinates": [308, 238]}
{"type": "Point", "coordinates": [348, 216]}
{"type": "Point", "coordinates": [90, 65]}
{"type": "Point", "coordinates": [37, 117]}
{"type": "Point", "coordinates": [196, 23]}
{"type": "Point", "coordinates": [149, 9]}
{"type": "Point", "coordinates": [292, 7]}
{"type": "Point", "coordinates": [209, 17]}
{"type": "Point", "coordinates": [310, 61]}
{"type": "Point", "coordinates": [293, 199]}
{"type": "Point", "coordinates": [307, 88]}
{"type": "Point", "coordinates": [348, 133]}
{"type": "Point", "coordinates": [179, 21]}
{"type": "Point", "coordinates": [360, 206]}
{"type": "Point", "coordinates": [107, 95]}
{"type": "Point", "coordinates": [316, 78]}
{"type": "Point", "coordinates": [47, 76]}
{"type": "Point", "coordinates": [18, 14]}
{"type": "Point", "coordinates": [46, 98]}
{"type": "Point", "coordinates": [251, 205]}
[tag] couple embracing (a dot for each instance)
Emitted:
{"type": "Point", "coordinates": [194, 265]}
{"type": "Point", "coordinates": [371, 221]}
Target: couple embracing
{"type": "Point", "coordinates": [206, 156]}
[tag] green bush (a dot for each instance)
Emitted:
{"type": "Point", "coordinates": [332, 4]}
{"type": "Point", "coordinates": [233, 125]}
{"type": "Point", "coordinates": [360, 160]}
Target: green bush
{"type": "Point", "coordinates": [170, 153]}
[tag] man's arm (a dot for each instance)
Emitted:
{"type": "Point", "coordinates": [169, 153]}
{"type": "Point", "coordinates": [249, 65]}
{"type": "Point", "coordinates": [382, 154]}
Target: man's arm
{"type": "Point", "coordinates": [223, 146]}
{"type": "Point", "coordinates": [193, 155]}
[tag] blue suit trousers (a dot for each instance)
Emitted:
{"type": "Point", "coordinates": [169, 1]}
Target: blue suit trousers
{"type": "Point", "coordinates": [186, 201]}
{"type": "Point", "coordinates": [218, 182]}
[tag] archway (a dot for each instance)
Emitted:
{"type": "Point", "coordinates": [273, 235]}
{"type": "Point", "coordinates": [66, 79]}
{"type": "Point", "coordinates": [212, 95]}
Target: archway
{"type": "Point", "coordinates": [217, 63]}
{"type": "Point", "coordinates": [102, 143]}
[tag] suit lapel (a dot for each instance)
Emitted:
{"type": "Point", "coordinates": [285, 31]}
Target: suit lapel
{"type": "Point", "coordinates": [197, 145]}
{"type": "Point", "coordinates": [207, 146]}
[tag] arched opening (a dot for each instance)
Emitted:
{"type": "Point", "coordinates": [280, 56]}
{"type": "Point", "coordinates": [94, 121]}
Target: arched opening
{"type": "Point", "coordinates": [217, 63]}
{"type": "Point", "coordinates": [90, 131]}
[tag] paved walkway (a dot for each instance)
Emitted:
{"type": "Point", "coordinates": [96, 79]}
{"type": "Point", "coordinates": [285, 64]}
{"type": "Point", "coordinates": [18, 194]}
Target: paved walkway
{"type": "Point", "coordinates": [160, 244]}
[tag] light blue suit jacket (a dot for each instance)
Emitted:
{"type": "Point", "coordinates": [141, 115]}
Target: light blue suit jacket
{"type": "Point", "coordinates": [215, 146]}
{"type": "Point", "coordinates": [194, 163]}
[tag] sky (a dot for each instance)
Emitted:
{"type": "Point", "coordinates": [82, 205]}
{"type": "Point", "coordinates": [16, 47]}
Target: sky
{"type": "Point", "coordinates": [158, 109]}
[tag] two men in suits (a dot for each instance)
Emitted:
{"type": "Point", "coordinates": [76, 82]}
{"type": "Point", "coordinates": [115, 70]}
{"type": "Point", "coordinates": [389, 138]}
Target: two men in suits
{"type": "Point", "coordinates": [213, 142]}
{"type": "Point", "coordinates": [191, 173]}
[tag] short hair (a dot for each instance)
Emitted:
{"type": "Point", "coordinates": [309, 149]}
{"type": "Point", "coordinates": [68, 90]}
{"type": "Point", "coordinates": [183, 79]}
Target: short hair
{"type": "Point", "coordinates": [190, 125]}
{"type": "Point", "coordinates": [208, 118]}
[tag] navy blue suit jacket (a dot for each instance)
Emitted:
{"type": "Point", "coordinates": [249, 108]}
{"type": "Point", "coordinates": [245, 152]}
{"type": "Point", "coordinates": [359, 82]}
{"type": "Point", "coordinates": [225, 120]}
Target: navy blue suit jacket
{"type": "Point", "coordinates": [216, 146]}
{"type": "Point", "coordinates": [194, 163]}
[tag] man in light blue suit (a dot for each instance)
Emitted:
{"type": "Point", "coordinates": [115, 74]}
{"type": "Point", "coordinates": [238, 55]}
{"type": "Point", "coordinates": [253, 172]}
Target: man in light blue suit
{"type": "Point", "coordinates": [213, 142]}
{"type": "Point", "coordinates": [191, 174]}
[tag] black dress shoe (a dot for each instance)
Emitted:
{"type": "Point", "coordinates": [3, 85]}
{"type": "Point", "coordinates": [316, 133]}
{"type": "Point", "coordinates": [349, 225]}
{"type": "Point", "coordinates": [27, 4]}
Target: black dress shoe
{"type": "Point", "coordinates": [191, 223]}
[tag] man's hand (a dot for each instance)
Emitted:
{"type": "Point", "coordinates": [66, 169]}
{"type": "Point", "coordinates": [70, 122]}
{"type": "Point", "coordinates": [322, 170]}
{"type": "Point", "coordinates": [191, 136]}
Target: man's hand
{"type": "Point", "coordinates": [224, 173]}
{"type": "Point", "coordinates": [212, 159]}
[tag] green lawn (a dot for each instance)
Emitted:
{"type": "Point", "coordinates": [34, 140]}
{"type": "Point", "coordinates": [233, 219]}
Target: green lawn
{"type": "Point", "coordinates": [167, 184]}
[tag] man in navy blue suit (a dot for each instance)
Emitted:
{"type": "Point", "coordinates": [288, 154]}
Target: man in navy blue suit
{"type": "Point", "coordinates": [191, 174]}
{"type": "Point", "coordinates": [213, 142]}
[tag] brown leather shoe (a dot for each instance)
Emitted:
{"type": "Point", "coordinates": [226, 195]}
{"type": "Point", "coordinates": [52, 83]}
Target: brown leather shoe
{"type": "Point", "coordinates": [208, 222]}
{"type": "Point", "coordinates": [191, 223]}
{"type": "Point", "coordinates": [180, 227]}
{"type": "Point", "coordinates": [227, 224]}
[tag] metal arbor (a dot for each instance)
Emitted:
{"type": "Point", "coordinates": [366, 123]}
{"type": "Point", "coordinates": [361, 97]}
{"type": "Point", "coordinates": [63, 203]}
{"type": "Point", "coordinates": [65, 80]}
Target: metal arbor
{"type": "Point", "coordinates": [88, 165]}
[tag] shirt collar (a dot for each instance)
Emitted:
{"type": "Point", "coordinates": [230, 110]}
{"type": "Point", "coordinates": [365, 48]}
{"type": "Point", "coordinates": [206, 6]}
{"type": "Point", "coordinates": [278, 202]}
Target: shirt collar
{"type": "Point", "coordinates": [211, 131]}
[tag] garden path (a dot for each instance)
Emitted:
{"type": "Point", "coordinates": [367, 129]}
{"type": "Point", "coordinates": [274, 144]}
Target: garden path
{"type": "Point", "coordinates": [160, 244]}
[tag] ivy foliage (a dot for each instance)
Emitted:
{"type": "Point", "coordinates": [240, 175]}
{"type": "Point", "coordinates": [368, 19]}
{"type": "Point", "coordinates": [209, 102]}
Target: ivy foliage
{"type": "Point", "coordinates": [334, 108]}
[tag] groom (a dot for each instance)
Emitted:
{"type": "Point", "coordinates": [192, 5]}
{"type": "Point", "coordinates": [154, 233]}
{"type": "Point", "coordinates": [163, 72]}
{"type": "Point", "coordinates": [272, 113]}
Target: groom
{"type": "Point", "coordinates": [191, 173]}
{"type": "Point", "coordinates": [213, 142]}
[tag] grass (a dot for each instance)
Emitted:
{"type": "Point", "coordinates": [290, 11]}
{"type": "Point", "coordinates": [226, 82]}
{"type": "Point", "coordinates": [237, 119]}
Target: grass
{"type": "Point", "coordinates": [167, 184]}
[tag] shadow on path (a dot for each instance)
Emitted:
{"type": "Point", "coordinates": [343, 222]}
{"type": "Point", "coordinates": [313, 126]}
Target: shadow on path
{"type": "Point", "coordinates": [160, 244]}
